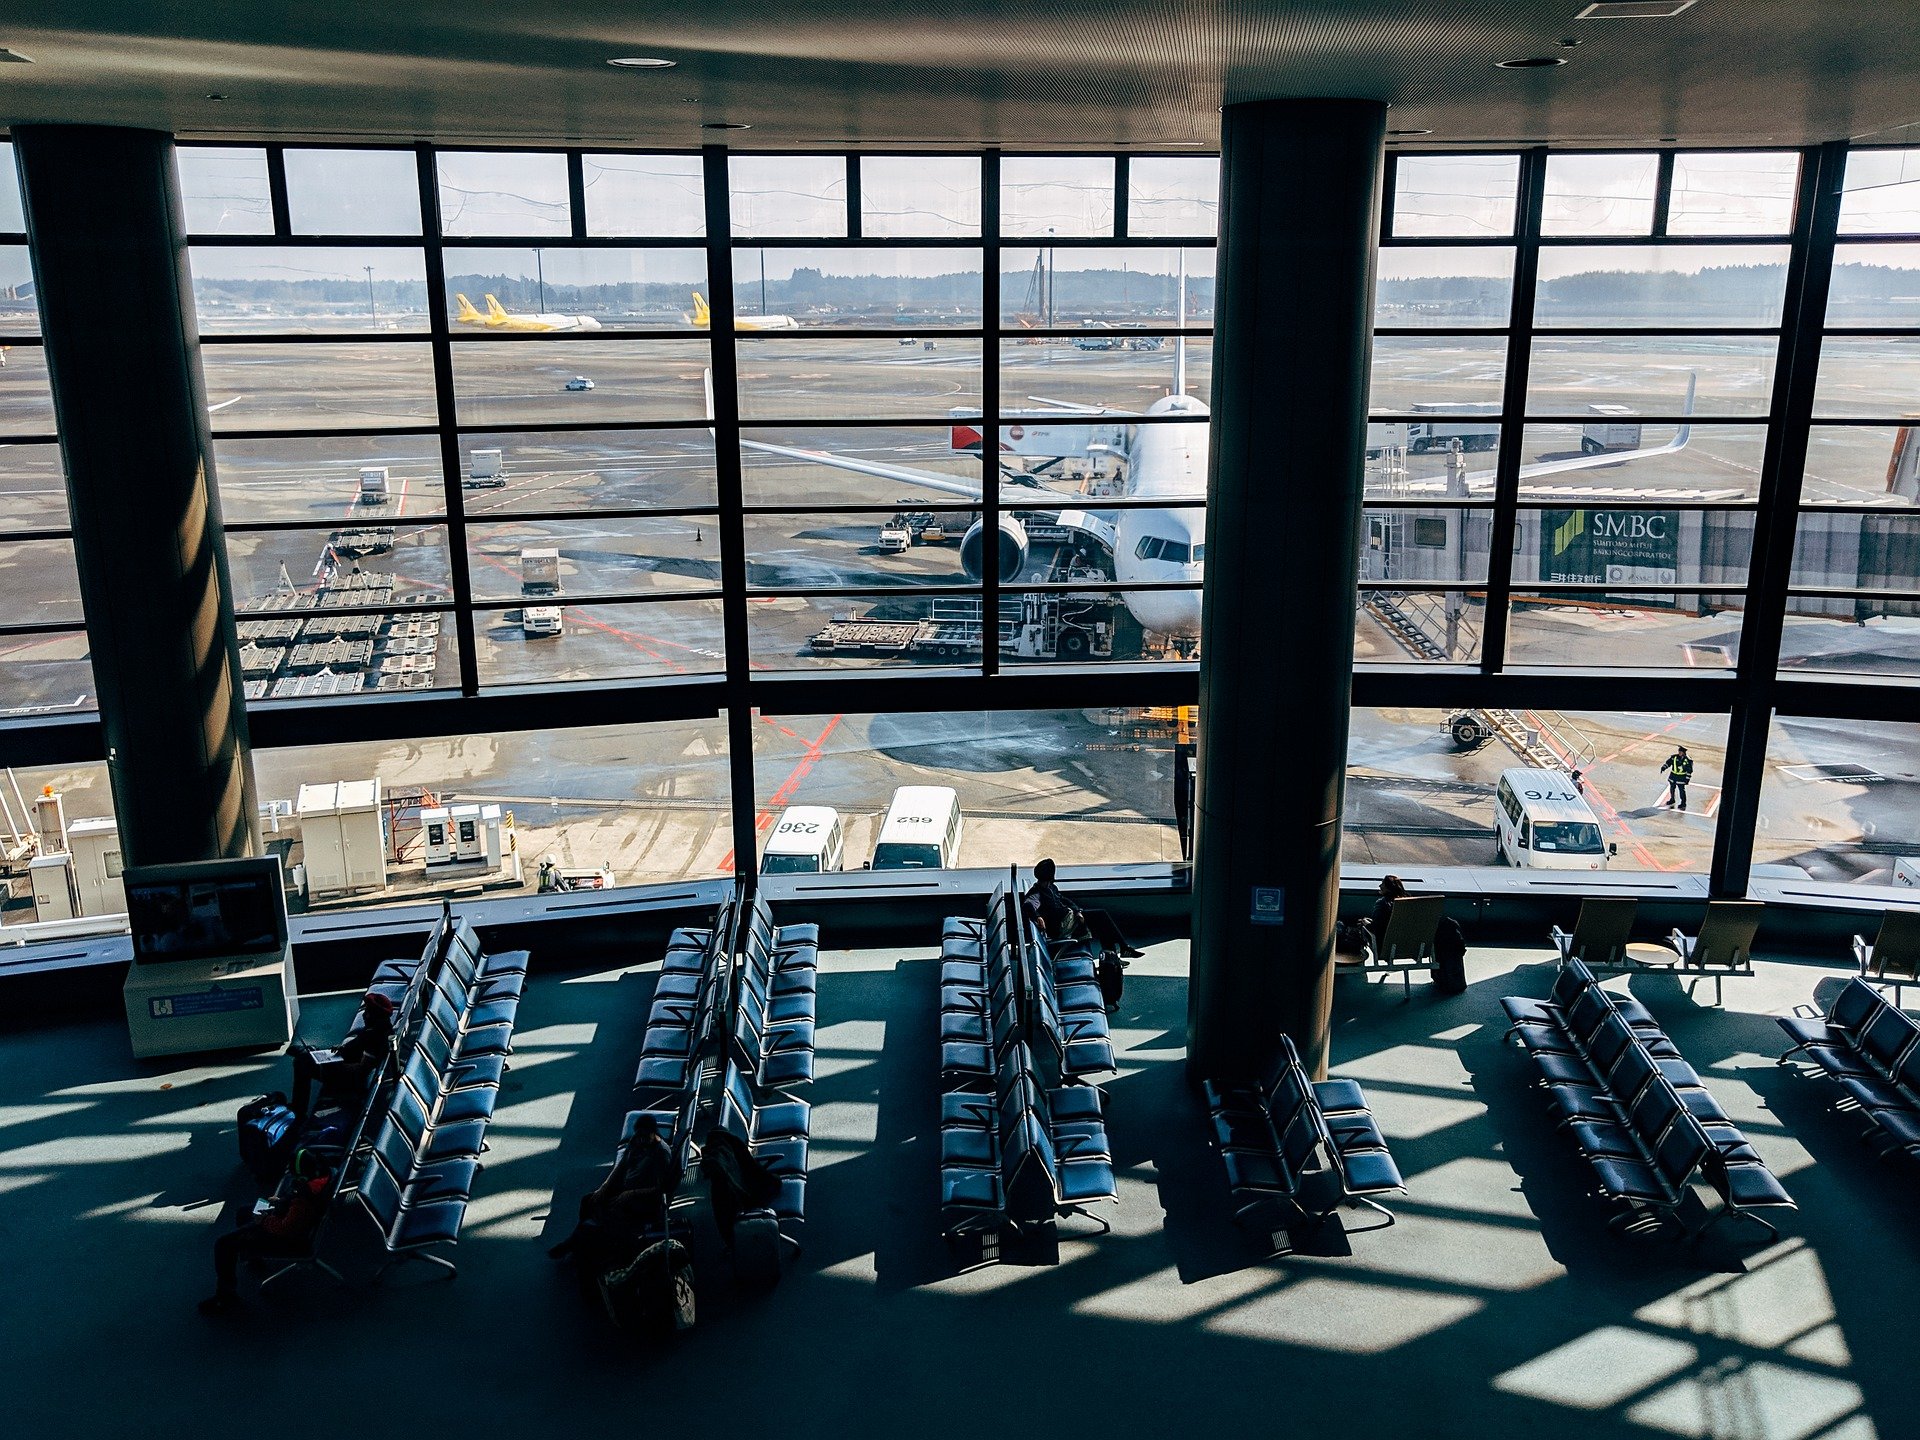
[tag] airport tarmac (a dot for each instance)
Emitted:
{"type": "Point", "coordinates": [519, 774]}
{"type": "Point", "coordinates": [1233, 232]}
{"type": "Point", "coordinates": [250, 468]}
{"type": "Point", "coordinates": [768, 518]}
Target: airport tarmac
{"type": "Point", "coordinates": [639, 589]}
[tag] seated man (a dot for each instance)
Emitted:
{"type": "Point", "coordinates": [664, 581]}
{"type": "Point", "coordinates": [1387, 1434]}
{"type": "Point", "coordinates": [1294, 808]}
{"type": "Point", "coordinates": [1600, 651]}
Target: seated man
{"type": "Point", "coordinates": [632, 1198]}
{"type": "Point", "coordinates": [287, 1228]}
{"type": "Point", "coordinates": [345, 1070]}
{"type": "Point", "coordinates": [1060, 919]}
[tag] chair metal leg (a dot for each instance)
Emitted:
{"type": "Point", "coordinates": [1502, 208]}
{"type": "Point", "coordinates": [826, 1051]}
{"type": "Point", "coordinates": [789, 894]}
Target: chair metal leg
{"type": "Point", "coordinates": [1373, 1205]}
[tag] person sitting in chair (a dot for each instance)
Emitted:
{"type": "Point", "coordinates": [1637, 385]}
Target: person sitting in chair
{"type": "Point", "coordinates": [345, 1070]}
{"type": "Point", "coordinates": [287, 1228]}
{"type": "Point", "coordinates": [1060, 919]}
{"type": "Point", "coordinates": [634, 1195]}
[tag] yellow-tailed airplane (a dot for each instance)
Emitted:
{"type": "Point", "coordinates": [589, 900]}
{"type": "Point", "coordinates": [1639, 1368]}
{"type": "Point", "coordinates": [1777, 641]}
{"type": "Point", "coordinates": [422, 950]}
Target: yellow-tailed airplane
{"type": "Point", "coordinates": [702, 318]}
{"type": "Point", "coordinates": [497, 318]}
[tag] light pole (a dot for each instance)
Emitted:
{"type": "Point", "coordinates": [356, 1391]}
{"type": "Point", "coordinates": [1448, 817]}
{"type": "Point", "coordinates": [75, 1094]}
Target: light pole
{"type": "Point", "coordinates": [373, 315]}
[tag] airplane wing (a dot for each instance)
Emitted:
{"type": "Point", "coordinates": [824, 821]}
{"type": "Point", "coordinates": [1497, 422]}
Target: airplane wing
{"type": "Point", "coordinates": [879, 469]}
{"type": "Point", "coordinates": [904, 474]}
{"type": "Point", "coordinates": [1606, 457]}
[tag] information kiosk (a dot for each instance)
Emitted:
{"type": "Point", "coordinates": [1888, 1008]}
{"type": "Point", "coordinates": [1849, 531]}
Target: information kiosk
{"type": "Point", "coordinates": [212, 968]}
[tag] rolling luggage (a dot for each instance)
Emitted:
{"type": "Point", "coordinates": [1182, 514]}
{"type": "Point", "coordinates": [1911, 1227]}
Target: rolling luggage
{"type": "Point", "coordinates": [267, 1128]}
{"type": "Point", "coordinates": [1113, 979]}
{"type": "Point", "coordinates": [756, 1253]}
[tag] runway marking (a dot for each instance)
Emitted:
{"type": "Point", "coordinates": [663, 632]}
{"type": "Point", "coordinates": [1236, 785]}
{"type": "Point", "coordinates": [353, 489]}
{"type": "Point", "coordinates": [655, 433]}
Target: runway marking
{"type": "Point", "coordinates": [780, 798]}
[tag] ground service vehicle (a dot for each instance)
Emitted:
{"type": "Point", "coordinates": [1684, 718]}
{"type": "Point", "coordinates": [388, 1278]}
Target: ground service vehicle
{"type": "Point", "coordinates": [809, 840]}
{"type": "Point", "coordinates": [579, 382]}
{"type": "Point", "coordinates": [1614, 432]}
{"type": "Point", "coordinates": [486, 470]}
{"type": "Point", "coordinates": [921, 830]}
{"type": "Point", "coordinates": [1426, 435]}
{"type": "Point", "coordinates": [540, 571]}
{"type": "Point", "coordinates": [1541, 821]}
{"type": "Point", "coordinates": [540, 620]}
{"type": "Point", "coordinates": [375, 488]}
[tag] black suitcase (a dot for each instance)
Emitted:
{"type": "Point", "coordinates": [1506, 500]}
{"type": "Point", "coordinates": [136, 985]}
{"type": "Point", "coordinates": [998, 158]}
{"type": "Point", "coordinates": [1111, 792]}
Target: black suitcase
{"type": "Point", "coordinates": [1113, 979]}
{"type": "Point", "coordinates": [267, 1127]}
{"type": "Point", "coordinates": [756, 1253]}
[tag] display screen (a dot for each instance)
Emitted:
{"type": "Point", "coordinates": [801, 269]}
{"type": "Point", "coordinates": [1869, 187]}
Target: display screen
{"type": "Point", "coordinates": [206, 916]}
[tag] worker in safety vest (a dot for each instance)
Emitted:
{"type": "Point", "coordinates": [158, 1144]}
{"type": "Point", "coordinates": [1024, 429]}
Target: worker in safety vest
{"type": "Point", "coordinates": [1679, 770]}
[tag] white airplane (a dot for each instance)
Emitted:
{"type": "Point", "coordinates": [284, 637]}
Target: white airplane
{"type": "Point", "coordinates": [499, 318]}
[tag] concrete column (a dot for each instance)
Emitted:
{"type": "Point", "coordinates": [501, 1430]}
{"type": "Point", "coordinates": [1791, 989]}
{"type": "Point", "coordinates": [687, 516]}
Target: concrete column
{"type": "Point", "coordinates": [1299, 212]}
{"type": "Point", "coordinates": [116, 304]}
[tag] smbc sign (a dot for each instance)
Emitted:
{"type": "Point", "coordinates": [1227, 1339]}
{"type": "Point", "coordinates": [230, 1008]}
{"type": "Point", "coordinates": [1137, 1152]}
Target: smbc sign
{"type": "Point", "coordinates": [1610, 547]}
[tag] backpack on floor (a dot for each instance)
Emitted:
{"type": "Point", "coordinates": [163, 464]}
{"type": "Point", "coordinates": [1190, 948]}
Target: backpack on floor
{"type": "Point", "coordinates": [267, 1131]}
{"type": "Point", "coordinates": [653, 1295]}
{"type": "Point", "coordinates": [1449, 957]}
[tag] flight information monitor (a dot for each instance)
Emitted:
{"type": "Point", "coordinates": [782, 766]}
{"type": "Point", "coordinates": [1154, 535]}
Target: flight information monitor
{"type": "Point", "coordinates": [216, 910]}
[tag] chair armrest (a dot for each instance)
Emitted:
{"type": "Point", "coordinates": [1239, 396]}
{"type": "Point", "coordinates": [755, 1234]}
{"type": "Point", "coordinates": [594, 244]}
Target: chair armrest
{"type": "Point", "coordinates": [1682, 943]}
{"type": "Point", "coordinates": [1862, 952]}
{"type": "Point", "coordinates": [1563, 942]}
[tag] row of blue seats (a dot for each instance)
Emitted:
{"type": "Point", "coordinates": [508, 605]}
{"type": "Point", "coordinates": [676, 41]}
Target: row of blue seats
{"type": "Point", "coordinates": [1296, 1150]}
{"type": "Point", "coordinates": [1871, 1049]}
{"type": "Point", "coordinates": [1639, 1114]}
{"type": "Point", "coordinates": [1021, 1145]}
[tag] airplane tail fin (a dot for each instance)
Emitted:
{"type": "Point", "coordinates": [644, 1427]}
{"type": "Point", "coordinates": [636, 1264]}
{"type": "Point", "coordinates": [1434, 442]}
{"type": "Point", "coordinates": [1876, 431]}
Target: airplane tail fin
{"type": "Point", "coordinates": [702, 317]}
{"type": "Point", "coordinates": [496, 314]}
{"type": "Point", "coordinates": [1685, 433]}
{"type": "Point", "coordinates": [466, 314]}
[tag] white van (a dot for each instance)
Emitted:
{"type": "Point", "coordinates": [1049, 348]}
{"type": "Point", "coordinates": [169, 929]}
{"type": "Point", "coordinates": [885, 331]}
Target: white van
{"type": "Point", "coordinates": [809, 840]}
{"type": "Point", "coordinates": [1544, 823]}
{"type": "Point", "coordinates": [921, 831]}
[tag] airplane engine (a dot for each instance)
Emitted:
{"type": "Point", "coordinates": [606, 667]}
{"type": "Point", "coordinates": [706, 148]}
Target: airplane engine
{"type": "Point", "coordinates": [1013, 549]}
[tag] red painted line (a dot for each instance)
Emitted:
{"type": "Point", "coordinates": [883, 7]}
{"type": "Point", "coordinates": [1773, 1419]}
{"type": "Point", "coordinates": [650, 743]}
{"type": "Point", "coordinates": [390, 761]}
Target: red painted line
{"type": "Point", "coordinates": [780, 798]}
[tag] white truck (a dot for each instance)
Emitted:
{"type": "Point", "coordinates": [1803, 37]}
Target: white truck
{"type": "Point", "coordinates": [540, 620]}
{"type": "Point", "coordinates": [540, 571]}
{"type": "Point", "coordinates": [1613, 432]}
{"type": "Point", "coordinates": [1426, 435]}
{"type": "Point", "coordinates": [486, 470]}
{"type": "Point", "coordinates": [895, 536]}
{"type": "Point", "coordinates": [375, 486]}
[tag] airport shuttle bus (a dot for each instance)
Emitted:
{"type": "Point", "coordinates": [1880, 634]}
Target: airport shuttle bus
{"type": "Point", "coordinates": [1542, 822]}
{"type": "Point", "coordinates": [921, 831]}
{"type": "Point", "coordinates": [809, 840]}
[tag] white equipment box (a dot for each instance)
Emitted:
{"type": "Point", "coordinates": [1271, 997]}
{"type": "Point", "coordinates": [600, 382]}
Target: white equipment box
{"type": "Point", "coordinates": [342, 837]}
{"type": "Point", "coordinates": [212, 967]}
{"type": "Point", "coordinates": [437, 831]}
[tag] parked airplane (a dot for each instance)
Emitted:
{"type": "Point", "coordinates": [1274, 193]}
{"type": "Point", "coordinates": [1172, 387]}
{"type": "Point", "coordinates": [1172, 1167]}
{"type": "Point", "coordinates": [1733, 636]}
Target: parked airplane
{"type": "Point", "coordinates": [1163, 544]}
{"type": "Point", "coordinates": [702, 318]}
{"type": "Point", "coordinates": [498, 318]}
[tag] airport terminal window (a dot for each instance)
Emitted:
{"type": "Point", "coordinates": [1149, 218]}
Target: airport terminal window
{"type": "Point", "coordinates": [1600, 194]}
{"type": "Point", "coordinates": [1733, 192]}
{"type": "Point", "coordinates": [1463, 195]}
{"type": "Point", "coordinates": [1835, 804]}
{"type": "Point", "coordinates": [597, 806]}
{"type": "Point", "coordinates": [352, 192]}
{"type": "Point", "coordinates": [1088, 787]}
{"type": "Point", "coordinates": [1423, 788]}
{"type": "Point", "coordinates": [44, 667]}
{"type": "Point", "coordinates": [1557, 480]}
{"type": "Point", "coordinates": [1171, 195]}
{"type": "Point", "coordinates": [644, 195]}
{"type": "Point", "coordinates": [1881, 193]}
{"type": "Point", "coordinates": [917, 196]}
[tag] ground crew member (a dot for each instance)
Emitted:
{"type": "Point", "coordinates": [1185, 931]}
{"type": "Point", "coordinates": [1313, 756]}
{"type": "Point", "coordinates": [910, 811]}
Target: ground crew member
{"type": "Point", "coordinates": [1678, 770]}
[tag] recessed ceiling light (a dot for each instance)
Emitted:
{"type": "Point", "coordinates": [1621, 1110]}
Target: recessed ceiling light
{"type": "Point", "coordinates": [1634, 9]}
{"type": "Point", "coordinates": [1409, 132]}
{"type": "Point", "coordinates": [725, 125]}
{"type": "Point", "coordinates": [14, 57]}
{"type": "Point", "coordinates": [1531, 62]}
{"type": "Point", "coordinates": [642, 62]}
